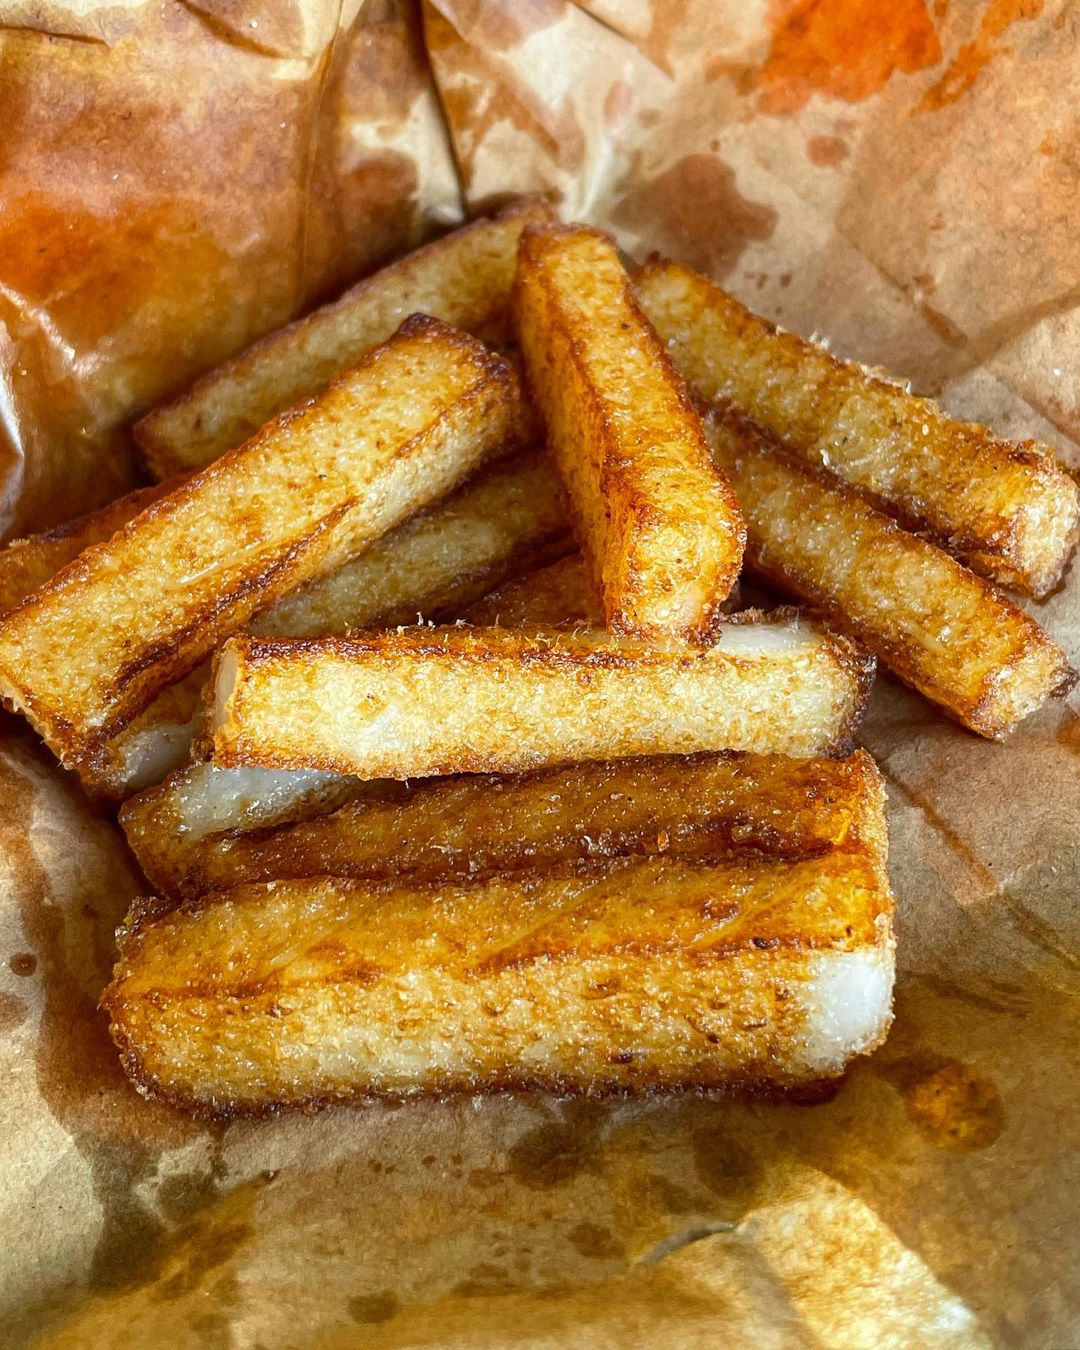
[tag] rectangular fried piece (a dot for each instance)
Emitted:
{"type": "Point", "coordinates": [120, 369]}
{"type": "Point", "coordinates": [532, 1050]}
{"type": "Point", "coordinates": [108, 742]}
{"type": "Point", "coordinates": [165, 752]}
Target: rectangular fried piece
{"type": "Point", "coordinates": [659, 526]}
{"type": "Point", "coordinates": [26, 564]}
{"type": "Point", "coordinates": [463, 279]}
{"type": "Point", "coordinates": [420, 702]}
{"type": "Point", "coordinates": [128, 617]}
{"type": "Point", "coordinates": [625, 976]}
{"type": "Point", "coordinates": [942, 629]}
{"type": "Point", "coordinates": [508, 517]}
{"type": "Point", "coordinates": [1009, 511]}
{"type": "Point", "coordinates": [704, 805]}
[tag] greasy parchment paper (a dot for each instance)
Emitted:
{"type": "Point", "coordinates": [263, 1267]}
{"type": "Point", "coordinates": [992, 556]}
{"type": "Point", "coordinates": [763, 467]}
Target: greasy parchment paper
{"type": "Point", "coordinates": [900, 178]}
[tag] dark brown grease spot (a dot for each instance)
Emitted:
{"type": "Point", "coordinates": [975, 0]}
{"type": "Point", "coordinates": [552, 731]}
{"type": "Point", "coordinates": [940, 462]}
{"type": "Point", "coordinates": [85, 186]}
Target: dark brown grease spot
{"type": "Point", "coordinates": [694, 211]}
{"type": "Point", "coordinates": [1068, 733]}
{"type": "Point", "coordinates": [724, 1167]}
{"type": "Point", "coordinates": [844, 51]}
{"type": "Point", "coordinates": [485, 1281]}
{"type": "Point", "coordinates": [13, 1012]}
{"type": "Point", "coordinates": [371, 1308]}
{"type": "Point", "coordinates": [23, 963]}
{"type": "Point", "coordinates": [973, 57]}
{"type": "Point", "coordinates": [676, 1199]}
{"type": "Point", "coordinates": [826, 151]}
{"type": "Point", "coordinates": [595, 1242]}
{"type": "Point", "coordinates": [557, 1151]}
{"type": "Point", "coordinates": [953, 1105]}
{"type": "Point", "coordinates": [210, 1248]}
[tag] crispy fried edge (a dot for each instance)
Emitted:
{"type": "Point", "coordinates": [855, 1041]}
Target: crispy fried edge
{"type": "Point", "coordinates": [106, 774]}
{"type": "Point", "coordinates": [163, 434]}
{"type": "Point", "coordinates": [554, 595]}
{"type": "Point", "coordinates": [470, 583]}
{"type": "Point", "coordinates": [27, 564]}
{"type": "Point", "coordinates": [621, 565]}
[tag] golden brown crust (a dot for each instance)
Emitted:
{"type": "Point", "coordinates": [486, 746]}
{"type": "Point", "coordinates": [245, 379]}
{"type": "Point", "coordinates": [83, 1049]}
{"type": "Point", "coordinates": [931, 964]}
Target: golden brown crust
{"type": "Point", "coordinates": [511, 1082]}
{"type": "Point", "coordinates": [633, 976]}
{"type": "Point", "coordinates": [1007, 510]}
{"type": "Point", "coordinates": [506, 520]}
{"type": "Point", "coordinates": [463, 279]}
{"type": "Point", "coordinates": [144, 608]}
{"type": "Point", "coordinates": [417, 703]}
{"type": "Point", "coordinates": [171, 825]}
{"type": "Point", "coordinates": [558, 596]}
{"type": "Point", "coordinates": [551, 597]}
{"type": "Point", "coordinates": [659, 526]}
{"type": "Point", "coordinates": [26, 564]}
{"type": "Point", "coordinates": [708, 805]}
{"type": "Point", "coordinates": [940, 628]}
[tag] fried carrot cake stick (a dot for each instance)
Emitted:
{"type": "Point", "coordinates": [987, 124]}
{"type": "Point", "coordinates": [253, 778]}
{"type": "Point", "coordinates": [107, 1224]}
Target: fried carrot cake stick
{"type": "Point", "coordinates": [659, 526]}
{"type": "Point", "coordinates": [704, 805]}
{"type": "Point", "coordinates": [506, 519]}
{"type": "Point", "coordinates": [1009, 511]}
{"type": "Point", "coordinates": [942, 629]}
{"type": "Point", "coordinates": [86, 653]}
{"type": "Point", "coordinates": [623, 976]}
{"type": "Point", "coordinates": [463, 279]}
{"type": "Point", "coordinates": [489, 700]}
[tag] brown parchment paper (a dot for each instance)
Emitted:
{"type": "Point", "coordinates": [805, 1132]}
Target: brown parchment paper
{"type": "Point", "coordinates": [899, 178]}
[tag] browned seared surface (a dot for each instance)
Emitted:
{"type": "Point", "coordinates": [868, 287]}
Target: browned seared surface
{"type": "Point", "coordinates": [630, 976]}
{"type": "Point", "coordinates": [130, 616]}
{"type": "Point", "coordinates": [26, 564]}
{"type": "Point", "coordinates": [703, 804]}
{"type": "Point", "coordinates": [550, 597]}
{"type": "Point", "coordinates": [659, 526]}
{"type": "Point", "coordinates": [509, 517]}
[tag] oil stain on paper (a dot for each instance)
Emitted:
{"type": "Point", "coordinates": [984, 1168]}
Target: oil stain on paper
{"type": "Point", "coordinates": [668, 209]}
